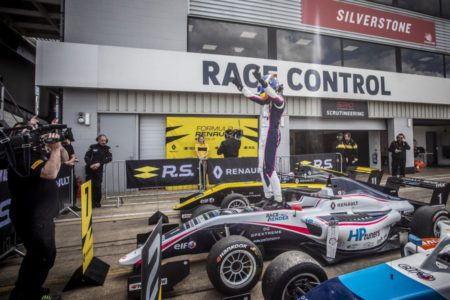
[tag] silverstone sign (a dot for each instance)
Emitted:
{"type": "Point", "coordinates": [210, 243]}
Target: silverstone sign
{"type": "Point", "coordinates": [356, 18]}
{"type": "Point", "coordinates": [102, 67]}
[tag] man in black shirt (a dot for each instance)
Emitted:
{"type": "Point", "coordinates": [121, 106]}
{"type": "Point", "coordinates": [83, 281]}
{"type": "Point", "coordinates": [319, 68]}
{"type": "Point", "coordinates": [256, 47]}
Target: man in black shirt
{"type": "Point", "coordinates": [97, 155]}
{"type": "Point", "coordinates": [34, 205]}
{"type": "Point", "coordinates": [398, 149]}
{"type": "Point", "coordinates": [230, 146]}
{"type": "Point", "coordinates": [350, 152]}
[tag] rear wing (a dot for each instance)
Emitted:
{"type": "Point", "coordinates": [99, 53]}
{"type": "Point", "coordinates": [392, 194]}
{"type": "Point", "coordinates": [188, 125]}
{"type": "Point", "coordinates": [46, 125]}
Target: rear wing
{"type": "Point", "coordinates": [440, 189]}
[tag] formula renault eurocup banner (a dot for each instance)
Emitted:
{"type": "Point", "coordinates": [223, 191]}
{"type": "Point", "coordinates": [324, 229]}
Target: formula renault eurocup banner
{"type": "Point", "coordinates": [222, 170]}
{"type": "Point", "coordinates": [168, 172]}
{"type": "Point", "coordinates": [370, 21]}
{"type": "Point", "coordinates": [182, 134]}
{"type": "Point", "coordinates": [5, 202]}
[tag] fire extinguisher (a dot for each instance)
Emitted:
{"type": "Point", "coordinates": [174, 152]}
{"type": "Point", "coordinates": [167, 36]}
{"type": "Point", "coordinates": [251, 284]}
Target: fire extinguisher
{"type": "Point", "coordinates": [375, 157]}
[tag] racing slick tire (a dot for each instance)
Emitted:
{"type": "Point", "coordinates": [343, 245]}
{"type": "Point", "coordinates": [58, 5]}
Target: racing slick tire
{"type": "Point", "coordinates": [234, 200]}
{"type": "Point", "coordinates": [425, 219]}
{"type": "Point", "coordinates": [203, 209]}
{"type": "Point", "coordinates": [289, 273]}
{"type": "Point", "coordinates": [234, 265]}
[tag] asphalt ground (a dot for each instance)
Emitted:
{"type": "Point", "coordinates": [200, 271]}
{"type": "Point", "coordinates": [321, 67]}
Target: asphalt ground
{"type": "Point", "coordinates": [115, 232]}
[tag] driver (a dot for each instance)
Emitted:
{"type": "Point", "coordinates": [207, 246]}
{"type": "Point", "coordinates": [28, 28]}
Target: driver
{"type": "Point", "coordinates": [273, 104]}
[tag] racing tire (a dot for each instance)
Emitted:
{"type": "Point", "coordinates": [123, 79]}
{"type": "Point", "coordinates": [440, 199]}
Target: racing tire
{"type": "Point", "coordinates": [234, 200]}
{"type": "Point", "coordinates": [290, 272]}
{"type": "Point", "coordinates": [234, 265]}
{"type": "Point", "coordinates": [425, 219]}
{"type": "Point", "coordinates": [203, 209]}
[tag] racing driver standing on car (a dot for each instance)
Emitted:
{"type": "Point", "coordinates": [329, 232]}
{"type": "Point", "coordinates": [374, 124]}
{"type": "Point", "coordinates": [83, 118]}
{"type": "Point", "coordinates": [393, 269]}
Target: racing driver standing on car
{"type": "Point", "coordinates": [273, 104]}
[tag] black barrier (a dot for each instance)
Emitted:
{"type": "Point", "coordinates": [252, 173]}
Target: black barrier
{"type": "Point", "coordinates": [6, 228]}
{"type": "Point", "coordinates": [222, 170]}
{"type": "Point", "coordinates": [169, 172]}
{"type": "Point", "coordinates": [63, 182]}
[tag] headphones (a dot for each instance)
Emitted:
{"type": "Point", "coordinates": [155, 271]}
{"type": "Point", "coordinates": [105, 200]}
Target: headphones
{"type": "Point", "coordinates": [100, 135]}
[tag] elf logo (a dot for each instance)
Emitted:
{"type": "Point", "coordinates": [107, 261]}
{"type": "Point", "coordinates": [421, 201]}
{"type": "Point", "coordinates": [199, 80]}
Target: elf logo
{"type": "Point", "coordinates": [187, 245]}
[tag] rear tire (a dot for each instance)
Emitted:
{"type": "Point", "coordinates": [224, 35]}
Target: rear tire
{"type": "Point", "coordinates": [425, 219]}
{"type": "Point", "coordinates": [289, 273]}
{"type": "Point", "coordinates": [234, 265]}
{"type": "Point", "coordinates": [234, 200]}
{"type": "Point", "coordinates": [203, 209]}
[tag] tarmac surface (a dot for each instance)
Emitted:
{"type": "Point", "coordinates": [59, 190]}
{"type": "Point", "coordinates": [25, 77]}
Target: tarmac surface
{"type": "Point", "coordinates": [115, 232]}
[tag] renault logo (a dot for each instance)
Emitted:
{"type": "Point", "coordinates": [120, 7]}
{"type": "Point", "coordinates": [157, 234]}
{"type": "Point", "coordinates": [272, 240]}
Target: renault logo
{"type": "Point", "coordinates": [146, 172]}
{"type": "Point", "coordinates": [217, 172]}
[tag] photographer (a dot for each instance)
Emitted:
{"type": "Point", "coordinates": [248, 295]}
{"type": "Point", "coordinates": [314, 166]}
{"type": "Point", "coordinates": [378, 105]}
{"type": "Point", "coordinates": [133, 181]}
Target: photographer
{"type": "Point", "coordinates": [33, 206]}
{"type": "Point", "coordinates": [230, 146]}
{"type": "Point", "coordinates": [398, 149]}
{"type": "Point", "coordinates": [97, 155]}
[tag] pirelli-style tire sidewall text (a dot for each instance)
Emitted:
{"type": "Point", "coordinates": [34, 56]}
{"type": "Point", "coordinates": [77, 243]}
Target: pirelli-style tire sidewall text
{"type": "Point", "coordinates": [287, 267]}
{"type": "Point", "coordinates": [232, 198]}
{"type": "Point", "coordinates": [218, 264]}
{"type": "Point", "coordinates": [425, 219]}
{"type": "Point", "coordinates": [203, 209]}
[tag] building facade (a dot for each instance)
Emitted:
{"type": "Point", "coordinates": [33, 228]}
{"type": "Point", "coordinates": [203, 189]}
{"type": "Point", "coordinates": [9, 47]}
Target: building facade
{"type": "Point", "coordinates": [374, 68]}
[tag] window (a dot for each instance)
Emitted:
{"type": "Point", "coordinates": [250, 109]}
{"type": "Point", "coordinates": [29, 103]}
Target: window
{"type": "Point", "coordinates": [429, 7]}
{"type": "Point", "coordinates": [308, 48]}
{"type": "Point", "coordinates": [422, 63]}
{"type": "Point", "coordinates": [445, 13]}
{"type": "Point", "coordinates": [447, 66]}
{"type": "Point", "coordinates": [215, 37]}
{"type": "Point", "coordinates": [368, 56]}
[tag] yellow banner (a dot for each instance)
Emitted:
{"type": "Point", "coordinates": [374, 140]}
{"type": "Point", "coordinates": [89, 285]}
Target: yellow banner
{"type": "Point", "coordinates": [86, 224]}
{"type": "Point", "coordinates": [182, 134]}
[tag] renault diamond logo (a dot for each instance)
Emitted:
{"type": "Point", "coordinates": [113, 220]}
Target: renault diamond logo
{"type": "Point", "coordinates": [146, 172]}
{"type": "Point", "coordinates": [218, 172]}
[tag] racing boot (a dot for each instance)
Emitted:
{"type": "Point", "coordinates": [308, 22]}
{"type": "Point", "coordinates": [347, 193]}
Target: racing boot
{"type": "Point", "coordinates": [274, 205]}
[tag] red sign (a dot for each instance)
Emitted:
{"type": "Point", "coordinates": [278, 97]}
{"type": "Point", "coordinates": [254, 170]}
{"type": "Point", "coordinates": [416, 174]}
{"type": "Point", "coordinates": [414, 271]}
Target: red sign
{"type": "Point", "coordinates": [335, 14]}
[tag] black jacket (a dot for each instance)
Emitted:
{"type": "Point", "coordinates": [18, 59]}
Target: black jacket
{"type": "Point", "coordinates": [398, 149]}
{"type": "Point", "coordinates": [229, 148]}
{"type": "Point", "coordinates": [97, 154]}
{"type": "Point", "coordinates": [350, 151]}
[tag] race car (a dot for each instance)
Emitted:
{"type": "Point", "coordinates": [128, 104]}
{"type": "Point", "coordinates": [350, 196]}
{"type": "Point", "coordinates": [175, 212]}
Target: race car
{"type": "Point", "coordinates": [334, 227]}
{"type": "Point", "coordinates": [422, 273]}
{"type": "Point", "coordinates": [240, 194]}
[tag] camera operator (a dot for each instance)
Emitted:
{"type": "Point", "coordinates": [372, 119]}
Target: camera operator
{"type": "Point", "coordinates": [33, 206]}
{"type": "Point", "coordinates": [398, 151]}
{"type": "Point", "coordinates": [97, 155]}
{"type": "Point", "coordinates": [230, 146]}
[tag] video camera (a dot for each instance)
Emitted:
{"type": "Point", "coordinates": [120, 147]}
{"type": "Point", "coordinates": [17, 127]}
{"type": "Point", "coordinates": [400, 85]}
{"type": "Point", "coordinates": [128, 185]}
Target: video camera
{"type": "Point", "coordinates": [234, 133]}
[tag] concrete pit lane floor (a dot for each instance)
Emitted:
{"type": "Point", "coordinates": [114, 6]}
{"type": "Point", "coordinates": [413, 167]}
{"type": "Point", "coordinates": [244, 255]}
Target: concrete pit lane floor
{"type": "Point", "coordinates": [115, 232]}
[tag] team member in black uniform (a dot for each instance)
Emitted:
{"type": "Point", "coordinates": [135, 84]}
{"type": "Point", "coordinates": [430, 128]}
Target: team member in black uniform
{"type": "Point", "coordinates": [398, 149]}
{"type": "Point", "coordinates": [350, 152]}
{"type": "Point", "coordinates": [34, 205]}
{"type": "Point", "coordinates": [230, 146]}
{"type": "Point", "coordinates": [97, 155]}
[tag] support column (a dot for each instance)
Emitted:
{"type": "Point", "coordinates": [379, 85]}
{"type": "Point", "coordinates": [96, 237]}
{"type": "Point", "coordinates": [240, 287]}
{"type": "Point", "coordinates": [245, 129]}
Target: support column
{"type": "Point", "coordinates": [374, 148]}
{"type": "Point", "coordinates": [402, 125]}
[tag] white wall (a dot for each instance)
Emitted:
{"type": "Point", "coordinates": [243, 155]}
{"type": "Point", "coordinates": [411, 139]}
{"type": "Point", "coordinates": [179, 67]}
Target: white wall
{"type": "Point", "coordinates": [76, 101]}
{"type": "Point", "coordinates": [443, 139]}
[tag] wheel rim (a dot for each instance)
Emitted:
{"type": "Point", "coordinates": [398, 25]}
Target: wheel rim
{"type": "Point", "coordinates": [237, 203]}
{"type": "Point", "coordinates": [299, 285]}
{"type": "Point", "coordinates": [237, 269]}
{"type": "Point", "coordinates": [436, 231]}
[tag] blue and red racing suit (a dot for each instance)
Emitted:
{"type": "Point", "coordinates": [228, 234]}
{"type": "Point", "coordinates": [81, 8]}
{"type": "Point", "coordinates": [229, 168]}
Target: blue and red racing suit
{"type": "Point", "coordinates": [273, 105]}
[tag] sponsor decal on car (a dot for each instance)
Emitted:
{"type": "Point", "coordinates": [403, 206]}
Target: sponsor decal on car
{"type": "Point", "coordinates": [207, 201]}
{"type": "Point", "coordinates": [186, 245]}
{"type": "Point", "coordinates": [421, 274]}
{"type": "Point", "coordinates": [274, 217]}
{"type": "Point", "coordinates": [361, 234]}
{"type": "Point", "coordinates": [228, 249]}
{"type": "Point", "coordinates": [267, 239]}
{"type": "Point", "coordinates": [347, 204]}
{"type": "Point", "coordinates": [134, 287]}
{"type": "Point", "coordinates": [265, 233]}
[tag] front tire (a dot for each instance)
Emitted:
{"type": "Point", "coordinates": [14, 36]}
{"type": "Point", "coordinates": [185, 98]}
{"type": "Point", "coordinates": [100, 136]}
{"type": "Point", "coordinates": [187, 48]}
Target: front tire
{"type": "Point", "coordinates": [234, 200]}
{"type": "Point", "coordinates": [203, 209]}
{"type": "Point", "coordinates": [234, 265]}
{"type": "Point", "coordinates": [291, 275]}
{"type": "Point", "coordinates": [425, 219]}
